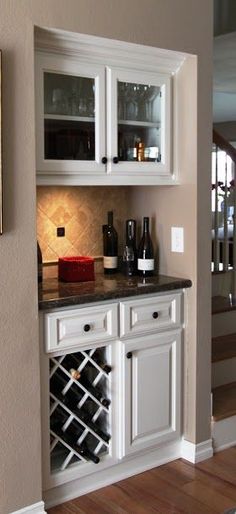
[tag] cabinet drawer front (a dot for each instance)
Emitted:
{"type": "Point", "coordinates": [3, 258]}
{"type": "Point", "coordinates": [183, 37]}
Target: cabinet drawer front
{"type": "Point", "coordinates": [77, 327]}
{"type": "Point", "coordinates": [150, 314]}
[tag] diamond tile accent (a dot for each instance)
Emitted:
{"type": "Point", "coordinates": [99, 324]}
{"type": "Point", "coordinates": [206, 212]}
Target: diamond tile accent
{"type": "Point", "coordinates": [82, 211]}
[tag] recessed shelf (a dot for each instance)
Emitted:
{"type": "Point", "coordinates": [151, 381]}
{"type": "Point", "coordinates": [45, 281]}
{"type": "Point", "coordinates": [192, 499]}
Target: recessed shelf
{"type": "Point", "coordinates": [65, 117]}
{"type": "Point", "coordinates": [137, 123]}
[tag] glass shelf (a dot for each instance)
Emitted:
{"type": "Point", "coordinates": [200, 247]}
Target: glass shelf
{"type": "Point", "coordinates": [140, 123]}
{"type": "Point", "coordinates": [67, 117]}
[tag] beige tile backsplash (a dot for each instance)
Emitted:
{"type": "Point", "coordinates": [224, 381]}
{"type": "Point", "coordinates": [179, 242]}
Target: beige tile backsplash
{"type": "Point", "coordinates": [82, 211]}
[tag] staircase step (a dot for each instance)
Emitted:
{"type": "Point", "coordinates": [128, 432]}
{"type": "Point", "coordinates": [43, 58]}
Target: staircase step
{"type": "Point", "coordinates": [223, 304]}
{"type": "Point", "coordinates": [223, 347]}
{"type": "Point", "coordinates": [224, 401]}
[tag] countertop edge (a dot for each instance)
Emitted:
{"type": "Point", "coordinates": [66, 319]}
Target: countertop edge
{"type": "Point", "coordinates": [67, 301]}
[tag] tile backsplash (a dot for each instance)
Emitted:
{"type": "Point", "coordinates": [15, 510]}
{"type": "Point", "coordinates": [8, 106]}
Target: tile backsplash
{"type": "Point", "coordinates": [81, 211]}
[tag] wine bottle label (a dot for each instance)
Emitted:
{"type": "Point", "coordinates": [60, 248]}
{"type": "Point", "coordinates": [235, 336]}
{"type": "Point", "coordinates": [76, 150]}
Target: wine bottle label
{"type": "Point", "coordinates": [110, 262]}
{"type": "Point", "coordinates": [146, 264]}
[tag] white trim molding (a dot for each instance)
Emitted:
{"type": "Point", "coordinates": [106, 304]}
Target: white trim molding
{"type": "Point", "coordinates": [36, 508]}
{"type": "Point", "coordinates": [196, 452]}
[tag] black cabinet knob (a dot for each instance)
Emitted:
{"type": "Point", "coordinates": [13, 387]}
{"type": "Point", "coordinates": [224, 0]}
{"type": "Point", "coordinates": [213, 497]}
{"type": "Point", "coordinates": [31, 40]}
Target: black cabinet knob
{"type": "Point", "coordinates": [155, 315]}
{"type": "Point", "coordinates": [129, 355]}
{"type": "Point", "coordinates": [115, 160]}
{"type": "Point", "coordinates": [104, 160]}
{"type": "Point", "coordinates": [87, 328]}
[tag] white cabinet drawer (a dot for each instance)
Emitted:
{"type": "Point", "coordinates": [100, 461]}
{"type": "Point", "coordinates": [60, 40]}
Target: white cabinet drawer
{"type": "Point", "coordinates": [149, 315]}
{"type": "Point", "coordinates": [74, 328]}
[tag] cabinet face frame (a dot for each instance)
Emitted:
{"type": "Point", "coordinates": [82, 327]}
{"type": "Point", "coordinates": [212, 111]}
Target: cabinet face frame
{"type": "Point", "coordinates": [80, 51]}
{"type": "Point", "coordinates": [169, 343]}
{"type": "Point", "coordinates": [61, 65]}
{"type": "Point", "coordinates": [127, 168]}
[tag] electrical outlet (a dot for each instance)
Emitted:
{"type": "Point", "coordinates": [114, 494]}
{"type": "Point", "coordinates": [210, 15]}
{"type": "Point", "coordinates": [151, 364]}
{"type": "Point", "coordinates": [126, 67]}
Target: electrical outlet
{"type": "Point", "coordinates": [177, 239]}
{"type": "Point", "coordinates": [60, 231]}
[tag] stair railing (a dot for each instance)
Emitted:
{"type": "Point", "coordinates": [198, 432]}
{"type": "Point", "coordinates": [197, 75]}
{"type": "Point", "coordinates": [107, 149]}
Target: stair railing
{"type": "Point", "coordinates": [224, 233]}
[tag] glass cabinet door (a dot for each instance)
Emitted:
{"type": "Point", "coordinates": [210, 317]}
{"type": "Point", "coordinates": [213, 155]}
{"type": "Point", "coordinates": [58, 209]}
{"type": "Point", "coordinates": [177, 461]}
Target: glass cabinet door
{"type": "Point", "coordinates": [138, 117]}
{"type": "Point", "coordinates": [72, 113]}
{"type": "Point", "coordinates": [69, 117]}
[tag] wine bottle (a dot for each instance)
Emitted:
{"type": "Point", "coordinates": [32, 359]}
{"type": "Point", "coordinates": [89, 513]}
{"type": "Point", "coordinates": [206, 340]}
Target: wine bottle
{"type": "Point", "coordinates": [145, 252]}
{"type": "Point", "coordinates": [71, 400]}
{"type": "Point", "coordinates": [69, 437]}
{"type": "Point", "coordinates": [40, 263]}
{"type": "Point", "coordinates": [110, 246]}
{"type": "Point", "coordinates": [130, 252]}
{"type": "Point", "coordinates": [99, 359]}
{"type": "Point", "coordinates": [70, 363]}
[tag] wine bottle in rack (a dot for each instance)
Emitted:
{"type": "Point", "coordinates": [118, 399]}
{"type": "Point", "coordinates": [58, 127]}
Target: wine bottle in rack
{"type": "Point", "coordinates": [103, 365]}
{"type": "Point", "coordinates": [71, 400]}
{"type": "Point", "coordinates": [71, 364]}
{"type": "Point", "coordinates": [110, 246]}
{"type": "Point", "coordinates": [145, 252]}
{"type": "Point", "coordinates": [70, 435]}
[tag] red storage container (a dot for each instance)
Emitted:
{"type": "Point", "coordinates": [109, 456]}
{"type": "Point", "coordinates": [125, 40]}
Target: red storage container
{"type": "Point", "coordinates": [76, 269]}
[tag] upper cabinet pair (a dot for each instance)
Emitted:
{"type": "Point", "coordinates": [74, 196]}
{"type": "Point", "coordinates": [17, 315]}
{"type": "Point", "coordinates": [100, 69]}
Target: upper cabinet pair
{"type": "Point", "coordinates": [102, 117]}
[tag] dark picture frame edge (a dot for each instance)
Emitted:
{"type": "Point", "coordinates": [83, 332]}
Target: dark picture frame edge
{"type": "Point", "coordinates": [1, 179]}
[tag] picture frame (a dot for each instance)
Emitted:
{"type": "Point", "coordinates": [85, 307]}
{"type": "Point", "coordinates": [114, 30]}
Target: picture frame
{"type": "Point", "coordinates": [1, 179]}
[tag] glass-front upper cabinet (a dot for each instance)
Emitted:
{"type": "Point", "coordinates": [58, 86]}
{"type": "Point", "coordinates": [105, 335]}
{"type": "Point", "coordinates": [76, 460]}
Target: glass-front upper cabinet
{"type": "Point", "coordinates": [138, 123]}
{"type": "Point", "coordinates": [70, 103]}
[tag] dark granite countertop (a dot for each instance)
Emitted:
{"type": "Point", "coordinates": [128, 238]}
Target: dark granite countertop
{"type": "Point", "coordinates": [54, 294]}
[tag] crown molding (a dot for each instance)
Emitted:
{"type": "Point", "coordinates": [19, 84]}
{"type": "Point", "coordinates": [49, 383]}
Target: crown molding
{"type": "Point", "coordinates": [86, 47]}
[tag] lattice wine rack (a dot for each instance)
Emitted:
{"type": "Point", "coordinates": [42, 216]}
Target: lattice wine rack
{"type": "Point", "coordinates": [79, 408]}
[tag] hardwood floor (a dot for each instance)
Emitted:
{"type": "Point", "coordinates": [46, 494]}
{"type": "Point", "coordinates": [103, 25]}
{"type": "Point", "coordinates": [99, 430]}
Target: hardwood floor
{"type": "Point", "coordinates": [175, 488]}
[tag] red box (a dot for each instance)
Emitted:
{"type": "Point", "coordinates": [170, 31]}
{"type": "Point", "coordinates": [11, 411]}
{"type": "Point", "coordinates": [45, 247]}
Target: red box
{"type": "Point", "coordinates": [76, 269]}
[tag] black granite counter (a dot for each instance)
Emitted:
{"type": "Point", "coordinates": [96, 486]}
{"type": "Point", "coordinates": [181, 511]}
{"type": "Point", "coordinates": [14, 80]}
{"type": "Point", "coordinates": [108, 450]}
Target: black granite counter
{"type": "Point", "coordinates": [54, 294]}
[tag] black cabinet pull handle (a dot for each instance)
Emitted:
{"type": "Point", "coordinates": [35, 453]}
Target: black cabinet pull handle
{"type": "Point", "coordinates": [87, 328]}
{"type": "Point", "coordinates": [104, 160]}
{"type": "Point", "coordinates": [115, 160]}
{"type": "Point", "coordinates": [155, 315]}
{"type": "Point", "coordinates": [129, 355]}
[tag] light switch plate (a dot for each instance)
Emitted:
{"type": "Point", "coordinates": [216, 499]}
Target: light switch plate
{"type": "Point", "coordinates": [177, 239]}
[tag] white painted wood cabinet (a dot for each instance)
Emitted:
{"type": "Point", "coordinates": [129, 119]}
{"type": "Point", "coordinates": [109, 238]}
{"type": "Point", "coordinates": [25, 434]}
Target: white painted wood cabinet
{"type": "Point", "coordinates": [132, 409]}
{"type": "Point", "coordinates": [151, 391]}
{"type": "Point", "coordinates": [104, 112]}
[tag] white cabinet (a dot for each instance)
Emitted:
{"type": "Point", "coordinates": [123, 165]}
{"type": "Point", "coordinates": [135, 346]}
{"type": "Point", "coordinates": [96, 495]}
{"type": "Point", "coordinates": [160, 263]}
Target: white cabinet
{"type": "Point", "coordinates": [102, 377]}
{"type": "Point", "coordinates": [104, 113]}
{"type": "Point", "coordinates": [151, 391]}
{"type": "Point", "coordinates": [70, 106]}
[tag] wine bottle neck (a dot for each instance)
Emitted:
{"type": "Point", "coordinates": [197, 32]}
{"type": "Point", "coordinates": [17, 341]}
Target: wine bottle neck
{"type": "Point", "coordinates": [145, 225]}
{"type": "Point", "coordinates": [130, 231]}
{"type": "Point", "coordinates": [110, 218]}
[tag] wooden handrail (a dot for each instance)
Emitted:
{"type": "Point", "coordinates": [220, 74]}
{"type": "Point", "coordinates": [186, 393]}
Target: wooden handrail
{"type": "Point", "coordinates": [224, 145]}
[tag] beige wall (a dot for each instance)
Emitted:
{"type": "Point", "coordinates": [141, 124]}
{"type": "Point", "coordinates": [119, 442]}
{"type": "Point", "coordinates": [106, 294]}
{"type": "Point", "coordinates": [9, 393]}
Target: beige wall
{"type": "Point", "coordinates": [184, 25]}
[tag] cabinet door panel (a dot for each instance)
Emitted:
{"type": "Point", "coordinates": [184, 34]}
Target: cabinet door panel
{"type": "Point", "coordinates": [151, 387]}
{"type": "Point", "coordinates": [152, 390]}
{"type": "Point", "coordinates": [138, 112]}
{"type": "Point", "coordinates": [70, 105]}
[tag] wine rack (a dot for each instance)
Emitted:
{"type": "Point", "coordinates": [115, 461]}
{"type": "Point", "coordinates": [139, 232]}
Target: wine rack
{"type": "Point", "coordinates": [79, 408]}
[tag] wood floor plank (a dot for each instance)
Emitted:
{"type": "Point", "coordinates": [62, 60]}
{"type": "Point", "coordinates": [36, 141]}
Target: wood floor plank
{"type": "Point", "coordinates": [208, 479]}
{"type": "Point", "coordinates": [116, 495]}
{"type": "Point", "coordinates": [178, 487]}
{"type": "Point", "coordinates": [209, 495]}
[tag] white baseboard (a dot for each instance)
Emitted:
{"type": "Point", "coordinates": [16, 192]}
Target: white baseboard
{"type": "Point", "coordinates": [36, 508]}
{"type": "Point", "coordinates": [121, 470]}
{"type": "Point", "coordinates": [224, 433]}
{"type": "Point", "coordinates": [196, 452]}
